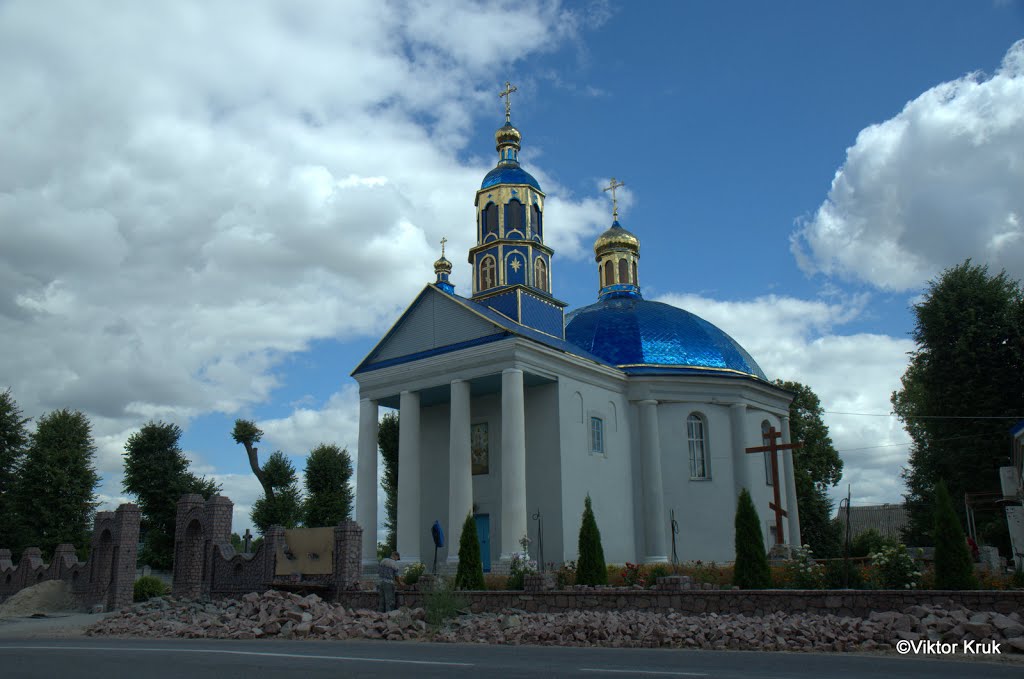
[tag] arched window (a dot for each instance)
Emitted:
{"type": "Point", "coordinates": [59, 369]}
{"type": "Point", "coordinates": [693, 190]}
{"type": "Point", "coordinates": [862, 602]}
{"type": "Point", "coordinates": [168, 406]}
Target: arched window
{"type": "Point", "coordinates": [635, 280]}
{"type": "Point", "coordinates": [609, 273]}
{"type": "Point", "coordinates": [540, 274]}
{"type": "Point", "coordinates": [487, 269]}
{"type": "Point", "coordinates": [768, 477]}
{"type": "Point", "coordinates": [538, 227]}
{"type": "Point", "coordinates": [696, 441]}
{"type": "Point", "coordinates": [515, 216]}
{"type": "Point", "coordinates": [623, 271]}
{"type": "Point", "coordinates": [489, 219]}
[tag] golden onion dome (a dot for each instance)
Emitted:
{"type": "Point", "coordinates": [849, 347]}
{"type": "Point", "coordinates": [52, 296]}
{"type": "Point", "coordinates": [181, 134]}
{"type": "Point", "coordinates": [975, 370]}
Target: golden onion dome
{"type": "Point", "coordinates": [442, 266]}
{"type": "Point", "coordinates": [616, 238]}
{"type": "Point", "coordinates": [507, 134]}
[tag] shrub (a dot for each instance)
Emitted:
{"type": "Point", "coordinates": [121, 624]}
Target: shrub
{"type": "Point", "coordinates": [411, 574]}
{"type": "Point", "coordinates": [658, 570]}
{"type": "Point", "coordinates": [495, 582]}
{"type": "Point", "coordinates": [148, 587]}
{"type": "Point", "coordinates": [751, 569]}
{"type": "Point", "coordinates": [442, 603]}
{"type": "Point", "coordinates": [590, 569]}
{"type": "Point", "coordinates": [804, 571]}
{"type": "Point", "coordinates": [615, 576]}
{"type": "Point", "coordinates": [710, 572]}
{"type": "Point", "coordinates": [894, 568]}
{"type": "Point", "coordinates": [520, 567]}
{"type": "Point", "coordinates": [565, 576]}
{"type": "Point", "coordinates": [632, 574]}
{"type": "Point", "coordinates": [869, 542]}
{"type": "Point", "coordinates": [470, 574]}
{"type": "Point", "coordinates": [953, 567]}
{"type": "Point", "coordinates": [840, 574]}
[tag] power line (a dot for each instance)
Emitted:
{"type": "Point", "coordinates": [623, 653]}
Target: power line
{"type": "Point", "coordinates": [907, 443]}
{"type": "Point", "coordinates": [932, 417]}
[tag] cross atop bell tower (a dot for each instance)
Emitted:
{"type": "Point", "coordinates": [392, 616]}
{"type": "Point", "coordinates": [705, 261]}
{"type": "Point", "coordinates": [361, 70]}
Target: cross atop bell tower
{"type": "Point", "coordinates": [615, 203]}
{"type": "Point", "coordinates": [506, 94]}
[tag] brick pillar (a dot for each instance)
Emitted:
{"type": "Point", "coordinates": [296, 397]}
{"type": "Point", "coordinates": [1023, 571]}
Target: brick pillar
{"type": "Point", "coordinates": [348, 536]}
{"type": "Point", "coordinates": [188, 547]}
{"type": "Point", "coordinates": [126, 545]}
{"type": "Point", "coordinates": [216, 530]}
{"type": "Point", "coordinates": [64, 559]}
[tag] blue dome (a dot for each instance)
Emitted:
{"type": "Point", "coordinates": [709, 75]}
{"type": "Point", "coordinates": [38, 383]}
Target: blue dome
{"type": "Point", "coordinates": [509, 175]}
{"type": "Point", "coordinates": [638, 336]}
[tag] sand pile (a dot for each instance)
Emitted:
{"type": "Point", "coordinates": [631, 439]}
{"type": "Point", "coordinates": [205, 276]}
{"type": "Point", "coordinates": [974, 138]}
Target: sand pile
{"type": "Point", "coordinates": [49, 596]}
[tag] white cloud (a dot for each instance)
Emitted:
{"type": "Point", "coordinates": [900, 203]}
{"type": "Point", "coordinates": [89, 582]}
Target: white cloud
{"type": "Point", "coordinates": [191, 192]}
{"type": "Point", "coordinates": [799, 340]}
{"type": "Point", "coordinates": [939, 182]}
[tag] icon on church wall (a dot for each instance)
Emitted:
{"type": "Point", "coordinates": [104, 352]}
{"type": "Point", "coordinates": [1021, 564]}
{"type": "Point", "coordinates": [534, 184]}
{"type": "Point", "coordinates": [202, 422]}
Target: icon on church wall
{"type": "Point", "coordinates": [480, 448]}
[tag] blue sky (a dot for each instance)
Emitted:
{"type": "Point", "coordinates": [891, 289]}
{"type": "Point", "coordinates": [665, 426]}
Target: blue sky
{"type": "Point", "coordinates": [214, 210]}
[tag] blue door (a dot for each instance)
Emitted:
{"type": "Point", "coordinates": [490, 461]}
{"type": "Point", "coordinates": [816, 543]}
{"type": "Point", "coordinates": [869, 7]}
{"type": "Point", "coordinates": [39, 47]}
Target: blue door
{"type": "Point", "coordinates": [483, 534]}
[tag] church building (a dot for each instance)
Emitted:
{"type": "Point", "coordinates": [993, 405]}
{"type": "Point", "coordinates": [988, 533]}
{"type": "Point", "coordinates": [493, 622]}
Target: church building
{"type": "Point", "coordinates": [513, 410]}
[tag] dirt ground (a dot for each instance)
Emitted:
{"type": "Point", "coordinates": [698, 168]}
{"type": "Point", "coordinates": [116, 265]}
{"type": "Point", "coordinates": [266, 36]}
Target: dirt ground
{"type": "Point", "coordinates": [44, 611]}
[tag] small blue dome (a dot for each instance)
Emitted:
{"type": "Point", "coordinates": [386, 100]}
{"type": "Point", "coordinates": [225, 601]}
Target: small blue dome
{"type": "Point", "coordinates": [638, 335]}
{"type": "Point", "coordinates": [509, 175]}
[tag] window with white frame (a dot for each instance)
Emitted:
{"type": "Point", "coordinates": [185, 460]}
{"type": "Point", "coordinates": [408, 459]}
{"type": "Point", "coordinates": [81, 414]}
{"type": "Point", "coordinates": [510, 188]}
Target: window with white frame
{"type": "Point", "coordinates": [768, 478]}
{"type": "Point", "coordinates": [597, 435]}
{"type": "Point", "coordinates": [696, 441]}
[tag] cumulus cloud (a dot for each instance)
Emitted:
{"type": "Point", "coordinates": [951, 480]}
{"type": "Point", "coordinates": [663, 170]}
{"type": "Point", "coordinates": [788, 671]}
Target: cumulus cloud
{"type": "Point", "coordinates": [801, 340]}
{"type": "Point", "coordinates": [191, 192]}
{"type": "Point", "coordinates": [939, 182]}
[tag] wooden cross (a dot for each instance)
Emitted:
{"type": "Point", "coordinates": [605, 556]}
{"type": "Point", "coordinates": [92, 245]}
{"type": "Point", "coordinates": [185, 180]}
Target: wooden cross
{"type": "Point", "coordinates": [507, 95]}
{"type": "Point", "coordinates": [443, 241]}
{"type": "Point", "coordinates": [615, 203]}
{"type": "Point", "coordinates": [773, 447]}
{"type": "Point", "coordinates": [247, 538]}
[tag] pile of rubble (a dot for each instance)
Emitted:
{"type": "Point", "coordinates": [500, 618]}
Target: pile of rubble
{"type": "Point", "coordinates": [281, 615]}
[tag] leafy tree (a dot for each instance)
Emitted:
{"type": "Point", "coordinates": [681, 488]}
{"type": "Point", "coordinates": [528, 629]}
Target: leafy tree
{"type": "Point", "coordinates": [470, 574]}
{"type": "Point", "coordinates": [156, 473]}
{"type": "Point", "coordinates": [13, 440]}
{"type": "Point", "coordinates": [751, 568]}
{"type": "Point", "coordinates": [816, 468]}
{"type": "Point", "coordinates": [953, 567]}
{"type": "Point", "coordinates": [283, 506]}
{"type": "Point", "coordinates": [328, 489]}
{"type": "Point", "coordinates": [248, 434]}
{"type": "Point", "coordinates": [969, 362]}
{"type": "Point", "coordinates": [55, 494]}
{"type": "Point", "coordinates": [590, 566]}
{"type": "Point", "coordinates": [387, 440]}
{"type": "Point", "coordinates": [869, 542]}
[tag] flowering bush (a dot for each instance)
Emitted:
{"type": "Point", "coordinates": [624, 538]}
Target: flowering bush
{"type": "Point", "coordinates": [803, 571]}
{"type": "Point", "coordinates": [892, 567]}
{"type": "Point", "coordinates": [565, 576]}
{"type": "Point", "coordinates": [710, 572]}
{"type": "Point", "coordinates": [411, 574]}
{"type": "Point", "coordinates": [521, 566]}
{"type": "Point", "coordinates": [633, 574]}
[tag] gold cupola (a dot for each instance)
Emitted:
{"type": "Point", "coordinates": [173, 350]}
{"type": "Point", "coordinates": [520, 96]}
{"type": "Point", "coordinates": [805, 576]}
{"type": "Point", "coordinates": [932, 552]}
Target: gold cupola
{"type": "Point", "coordinates": [617, 253]}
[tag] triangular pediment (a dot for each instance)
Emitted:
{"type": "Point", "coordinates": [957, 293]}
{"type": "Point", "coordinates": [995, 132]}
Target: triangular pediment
{"type": "Point", "coordinates": [432, 323]}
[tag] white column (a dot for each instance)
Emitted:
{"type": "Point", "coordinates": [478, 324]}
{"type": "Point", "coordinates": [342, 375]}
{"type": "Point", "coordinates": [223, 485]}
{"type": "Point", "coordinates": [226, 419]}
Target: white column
{"type": "Point", "coordinates": [792, 510]}
{"type": "Point", "coordinates": [460, 470]}
{"type": "Point", "coordinates": [740, 463]}
{"type": "Point", "coordinates": [513, 462]}
{"type": "Point", "coordinates": [410, 530]}
{"type": "Point", "coordinates": [655, 523]}
{"type": "Point", "coordinates": [366, 479]}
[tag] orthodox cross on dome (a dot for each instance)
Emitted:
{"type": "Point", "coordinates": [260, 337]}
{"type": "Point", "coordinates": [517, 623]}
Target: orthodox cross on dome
{"type": "Point", "coordinates": [444, 240]}
{"type": "Point", "coordinates": [506, 94]}
{"type": "Point", "coordinates": [615, 203]}
{"type": "Point", "coordinates": [773, 447]}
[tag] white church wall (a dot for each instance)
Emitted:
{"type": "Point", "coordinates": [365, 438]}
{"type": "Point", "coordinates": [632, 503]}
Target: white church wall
{"type": "Point", "coordinates": [434, 478]}
{"type": "Point", "coordinates": [703, 508]}
{"type": "Point", "coordinates": [761, 492]}
{"type": "Point", "coordinates": [608, 477]}
{"type": "Point", "coordinates": [543, 470]}
{"type": "Point", "coordinates": [487, 487]}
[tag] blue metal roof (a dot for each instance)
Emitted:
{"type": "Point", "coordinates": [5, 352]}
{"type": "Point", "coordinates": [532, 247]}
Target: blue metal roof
{"type": "Point", "coordinates": [637, 336]}
{"type": "Point", "coordinates": [509, 175]}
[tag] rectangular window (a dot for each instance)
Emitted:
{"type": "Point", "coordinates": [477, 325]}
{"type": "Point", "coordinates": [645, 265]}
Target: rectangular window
{"type": "Point", "coordinates": [768, 469]}
{"type": "Point", "coordinates": [479, 447]}
{"type": "Point", "coordinates": [695, 441]}
{"type": "Point", "coordinates": [596, 435]}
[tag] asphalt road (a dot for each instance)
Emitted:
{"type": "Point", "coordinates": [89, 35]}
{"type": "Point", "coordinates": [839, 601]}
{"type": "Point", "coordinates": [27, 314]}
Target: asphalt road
{"type": "Point", "coordinates": [106, 658]}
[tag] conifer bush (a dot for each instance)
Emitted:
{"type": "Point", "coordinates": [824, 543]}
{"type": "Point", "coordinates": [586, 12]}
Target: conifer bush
{"type": "Point", "coordinates": [590, 568]}
{"type": "Point", "coordinates": [751, 570]}
{"type": "Point", "coordinates": [953, 567]}
{"type": "Point", "coordinates": [470, 574]}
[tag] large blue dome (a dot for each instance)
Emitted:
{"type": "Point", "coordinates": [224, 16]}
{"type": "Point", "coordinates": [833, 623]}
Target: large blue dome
{"type": "Point", "coordinates": [509, 175]}
{"type": "Point", "coordinates": [641, 336]}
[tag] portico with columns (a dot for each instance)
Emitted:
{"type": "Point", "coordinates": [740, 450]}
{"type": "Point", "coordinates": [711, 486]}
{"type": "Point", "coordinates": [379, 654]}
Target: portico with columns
{"type": "Point", "coordinates": [510, 409]}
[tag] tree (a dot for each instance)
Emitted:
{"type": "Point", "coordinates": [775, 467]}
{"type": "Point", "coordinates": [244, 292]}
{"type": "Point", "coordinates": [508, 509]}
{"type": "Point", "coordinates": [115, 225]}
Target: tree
{"type": "Point", "coordinates": [156, 473]}
{"type": "Point", "coordinates": [248, 434]}
{"type": "Point", "coordinates": [387, 440]}
{"type": "Point", "coordinates": [282, 506]}
{"type": "Point", "coordinates": [328, 489]}
{"type": "Point", "coordinates": [55, 494]}
{"type": "Point", "coordinates": [816, 468]}
{"type": "Point", "coordinates": [751, 568]}
{"type": "Point", "coordinates": [590, 566]}
{"type": "Point", "coordinates": [953, 567]}
{"type": "Point", "coordinates": [13, 440]}
{"type": "Point", "coordinates": [470, 574]}
{"type": "Point", "coordinates": [969, 362]}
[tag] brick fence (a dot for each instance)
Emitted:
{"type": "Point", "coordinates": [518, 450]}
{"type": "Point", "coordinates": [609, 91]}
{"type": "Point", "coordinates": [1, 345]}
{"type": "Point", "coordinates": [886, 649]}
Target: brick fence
{"type": "Point", "coordinates": [854, 603]}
